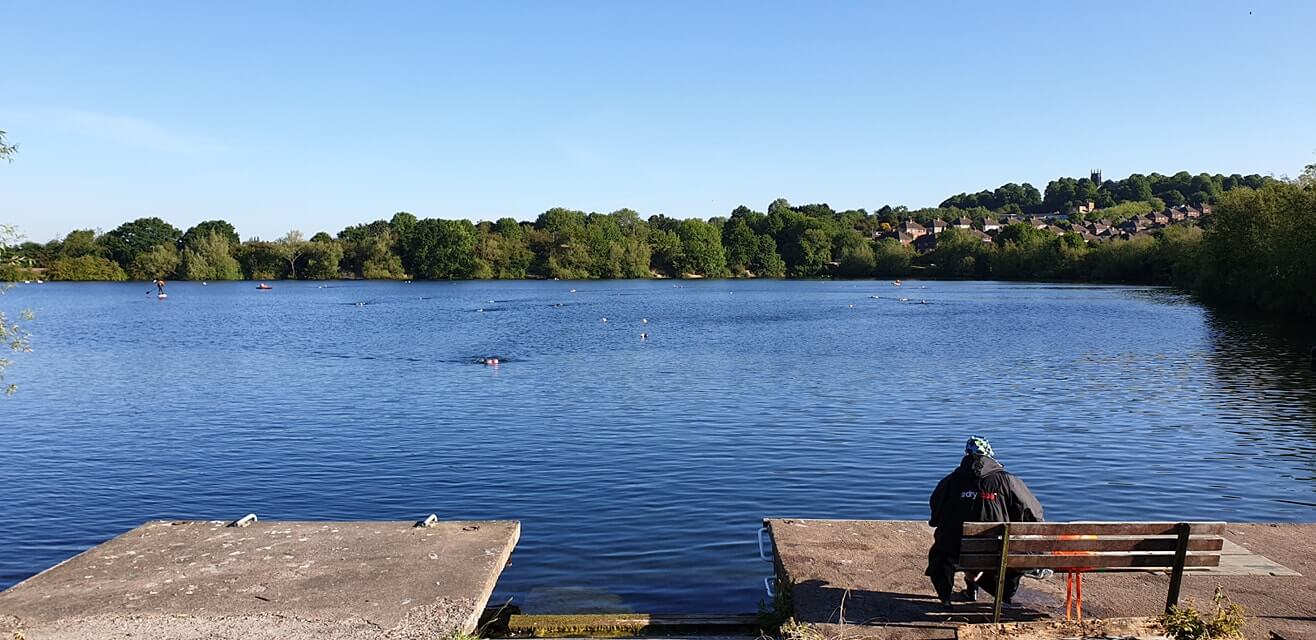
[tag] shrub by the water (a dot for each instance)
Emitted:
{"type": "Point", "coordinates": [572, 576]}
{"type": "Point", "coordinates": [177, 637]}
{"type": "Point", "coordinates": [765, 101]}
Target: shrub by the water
{"type": "Point", "coordinates": [85, 268]}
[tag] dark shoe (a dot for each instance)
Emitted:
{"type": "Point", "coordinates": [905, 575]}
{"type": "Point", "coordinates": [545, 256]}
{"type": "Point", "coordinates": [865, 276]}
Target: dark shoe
{"type": "Point", "coordinates": [947, 604]}
{"type": "Point", "coordinates": [969, 595]}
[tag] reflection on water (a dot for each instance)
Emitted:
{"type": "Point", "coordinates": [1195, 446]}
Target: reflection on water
{"type": "Point", "coordinates": [639, 468]}
{"type": "Point", "coordinates": [1269, 362]}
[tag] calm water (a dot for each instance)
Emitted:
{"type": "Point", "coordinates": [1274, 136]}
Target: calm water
{"type": "Point", "coordinates": [640, 469]}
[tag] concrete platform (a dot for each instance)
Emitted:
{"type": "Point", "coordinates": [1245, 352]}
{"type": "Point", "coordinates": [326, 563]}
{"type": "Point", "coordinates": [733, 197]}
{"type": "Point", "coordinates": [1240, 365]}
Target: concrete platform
{"type": "Point", "coordinates": [288, 580]}
{"type": "Point", "coordinates": [864, 579]}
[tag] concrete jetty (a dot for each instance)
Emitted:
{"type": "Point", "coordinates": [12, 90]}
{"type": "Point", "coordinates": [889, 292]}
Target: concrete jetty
{"type": "Point", "coordinates": [187, 580]}
{"type": "Point", "coordinates": [862, 579]}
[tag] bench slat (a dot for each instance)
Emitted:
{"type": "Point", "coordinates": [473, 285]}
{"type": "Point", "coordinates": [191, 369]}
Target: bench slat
{"type": "Point", "coordinates": [1017, 545]}
{"type": "Point", "coordinates": [980, 529]}
{"type": "Point", "coordinates": [989, 562]}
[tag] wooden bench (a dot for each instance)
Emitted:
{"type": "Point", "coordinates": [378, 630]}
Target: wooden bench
{"type": "Point", "coordinates": [1077, 547]}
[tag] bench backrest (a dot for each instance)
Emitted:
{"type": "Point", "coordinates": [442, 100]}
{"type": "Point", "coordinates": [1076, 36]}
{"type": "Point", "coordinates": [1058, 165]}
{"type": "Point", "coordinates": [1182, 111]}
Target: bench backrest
{"type": "Point", "coordinates": [1089, 546]}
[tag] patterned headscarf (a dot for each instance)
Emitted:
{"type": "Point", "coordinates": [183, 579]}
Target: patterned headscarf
{"type": "Point", "coordinates": [978, 446]}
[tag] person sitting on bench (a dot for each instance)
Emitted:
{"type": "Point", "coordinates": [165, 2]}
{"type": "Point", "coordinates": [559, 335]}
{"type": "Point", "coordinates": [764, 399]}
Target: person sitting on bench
{"type": "Point", "coordinates": [979, 490]}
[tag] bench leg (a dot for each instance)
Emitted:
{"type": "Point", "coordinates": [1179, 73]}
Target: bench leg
{"type": "Point", "coordinates": [1180, 556]}
{"type": "Point", "coordinates": [1000, 572]}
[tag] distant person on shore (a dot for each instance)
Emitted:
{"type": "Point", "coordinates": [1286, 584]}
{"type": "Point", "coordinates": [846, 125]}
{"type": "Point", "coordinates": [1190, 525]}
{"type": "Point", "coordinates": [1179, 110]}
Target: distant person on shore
{"type": "Point", "coordinates": [979, 490]}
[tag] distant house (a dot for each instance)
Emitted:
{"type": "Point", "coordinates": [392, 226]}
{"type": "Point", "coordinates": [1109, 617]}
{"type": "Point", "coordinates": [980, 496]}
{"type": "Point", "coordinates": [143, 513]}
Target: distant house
{"type": "Point", "coordinates": [1054, 229]}
{"type": "Point", "coordinates": [1096, 228]}
{"type": "Point", "coordinates": [963, 223]}
{"type": "Point", "coordinates": [1132, 225]}
{"type": "Point", "coordinates": [990, 224]}
{"type": "Point", "coordinates": [938, 226]}
{"type": "Point", "coordinates": [1191, 212]}
{"type": "Point", "coordinates": [1175, 215]}
{"type": "Point", "coordinates": [980, 235]}
{"type": "Point", "coordinates": [1157, 218]}
{"type": "Point", "coordinates": [912, 228]}
{"type": "Point", "coordinates": [924, 244]}
{"type": "Point", "coordinates": [1205, 209]}
{"type": "Point", "coordinates": [905, 238]}
{"type": "Point", "coordinates": [1038, 222]}
{"type": "Point", "coordinates": [1086, 207]}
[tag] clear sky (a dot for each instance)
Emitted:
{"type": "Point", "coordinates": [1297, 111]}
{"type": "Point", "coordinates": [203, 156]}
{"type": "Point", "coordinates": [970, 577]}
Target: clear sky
{"type": "Point", "coordinates": [318, 115]}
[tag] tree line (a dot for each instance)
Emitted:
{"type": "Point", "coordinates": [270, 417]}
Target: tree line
{"type": "Point", "coordinates": [1259, 233]}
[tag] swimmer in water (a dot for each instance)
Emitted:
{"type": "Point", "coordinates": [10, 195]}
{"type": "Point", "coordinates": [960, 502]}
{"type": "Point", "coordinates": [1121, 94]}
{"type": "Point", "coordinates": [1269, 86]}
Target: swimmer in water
{"type": "Point", "coordinates": [489, 361]}
{"type": "Point", "coordinates": [644, 336]}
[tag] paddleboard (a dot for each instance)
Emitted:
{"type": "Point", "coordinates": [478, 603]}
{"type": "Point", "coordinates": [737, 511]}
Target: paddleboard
{"type": "Point", "coordinates": [163, 296]}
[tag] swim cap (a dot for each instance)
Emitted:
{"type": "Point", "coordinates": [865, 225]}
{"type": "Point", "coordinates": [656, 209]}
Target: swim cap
{"type": "Point", "coordinates": [978, 446]}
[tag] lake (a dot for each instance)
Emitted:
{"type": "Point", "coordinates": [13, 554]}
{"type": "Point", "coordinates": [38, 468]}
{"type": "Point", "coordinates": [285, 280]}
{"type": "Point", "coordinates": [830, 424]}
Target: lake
{"type": "Point", "coordinates": [639, 468]}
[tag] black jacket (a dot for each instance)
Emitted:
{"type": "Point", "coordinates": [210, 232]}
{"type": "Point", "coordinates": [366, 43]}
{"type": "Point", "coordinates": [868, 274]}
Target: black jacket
{"type": "Point", "coordinates": [980, 490]}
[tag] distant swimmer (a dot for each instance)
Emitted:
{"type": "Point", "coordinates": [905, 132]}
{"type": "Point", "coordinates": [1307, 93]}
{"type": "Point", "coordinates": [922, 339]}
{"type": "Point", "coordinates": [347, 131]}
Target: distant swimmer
{"type": "Point", "coordinates": [573, 290]}
{"type": "Point", "coordinates": [644, 321]}
{"type": "Point", "coordinates": [644, 336]}
{"type": "Point", "coordinates": [605, 319]}
{"type": "Point", "coordinates": [489, 361]}
{"type": "Point", "coordinates": [922, 301]}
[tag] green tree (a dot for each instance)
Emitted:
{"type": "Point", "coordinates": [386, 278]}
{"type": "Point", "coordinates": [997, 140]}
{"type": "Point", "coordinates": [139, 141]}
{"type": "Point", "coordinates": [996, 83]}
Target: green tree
{"type": "Point", "coordinates": [892, 259]}
{"type": "Point", "coordinates": [667, 252]}
{"type": "Point", "coordinates": [290, 248]}
{"type": "Point", "coordinates": [1258, 250]}
{"type": "Point", "coordinates": [209, 257]}
{"type": "Point", "coordinates": [856, 255]}
{"type": "Point", "coordinates": [160, 262]}
{"type": "Point", "coordinates": [221, 227]}
{"type": "Point", "coordinates": [81, 242]}
{"type": "Point", "coordinates": [741, 245]}
{"type": "Point", "coordinates": [768, 263]}
{"type": "Point", "coordinates": [960, 254]}
{"type": "Point", "coordinates": [814, 252]}
{"type": "Point", "coordinates": [261, 260]}
{"type": "Point", "coordinates": [701, 249]}
{"type": "Point", "coordinates": [131, 239]}
{"type": "Point", "coordinates": [322, 257]}
{"type": "Point", "coordinates": [443, 249]}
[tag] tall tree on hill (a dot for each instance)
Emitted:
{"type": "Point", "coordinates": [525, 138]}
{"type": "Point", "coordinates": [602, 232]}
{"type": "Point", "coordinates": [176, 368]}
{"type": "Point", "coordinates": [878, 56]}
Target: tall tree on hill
{"type": "Point", "coordinates": [443, 249]}
{"type": "Point", "coordinates": [203, 229]}
{"type": "Point", "coordinates": [130, 239]}
{"type": "Point", "coordinates": [290, 248]}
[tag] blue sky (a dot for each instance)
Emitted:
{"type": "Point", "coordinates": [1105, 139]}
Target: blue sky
{"type": "Point", "coordinates": [315, 116]}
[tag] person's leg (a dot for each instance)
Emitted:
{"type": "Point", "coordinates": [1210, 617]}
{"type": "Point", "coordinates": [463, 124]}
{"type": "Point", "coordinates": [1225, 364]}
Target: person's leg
{"type": "Point", "coordinates": [941, 570]}
{"type": "Point", "coordinates": [987, 581]}
{"type": "Point", "coordinates": [971, 585]}
{"type": "Point", "coordinates": [1012, 579]}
